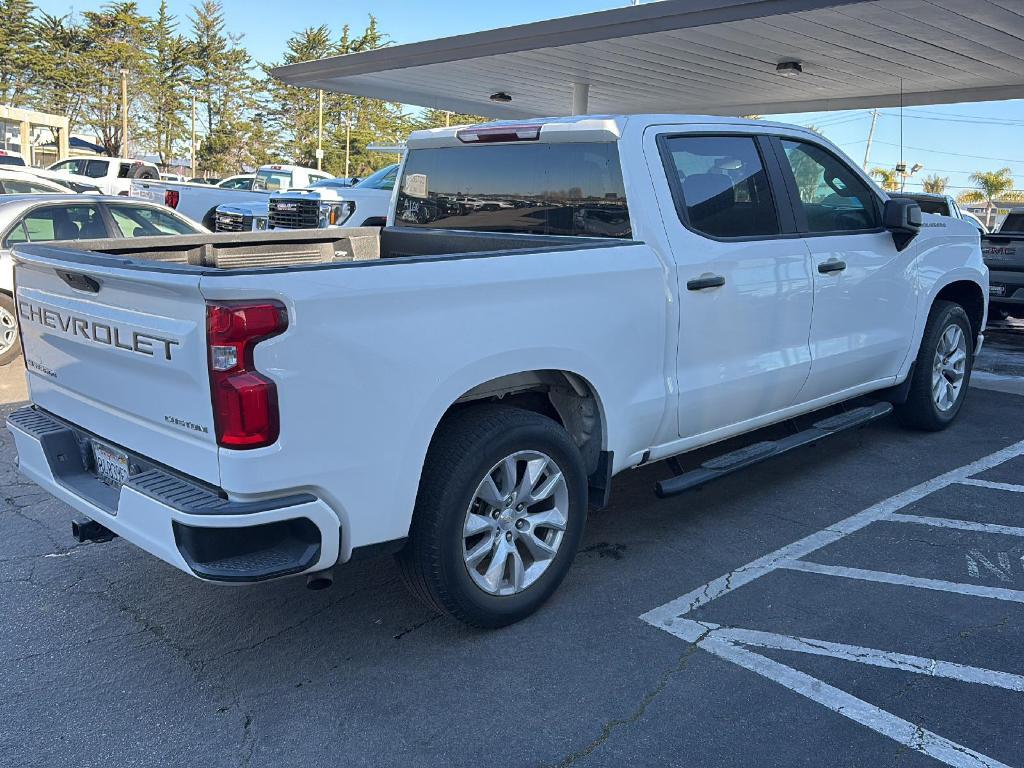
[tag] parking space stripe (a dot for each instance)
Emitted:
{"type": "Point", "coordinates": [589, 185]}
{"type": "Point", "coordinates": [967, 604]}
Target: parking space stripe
{"type": "Point", "coordinates": [876, 658]}
{"type": "Point", "coordinates": [961, 525]}
{"type": "Point", "coordinates": [995, 486]}
{"type": "Point", "coordinates": [913, 736]}
{"type": "Point", "coordinates": [729, 642]}
{"type": "Point", "coordinates": [663, 615]}
{"type": "Point", "coordinates": [884, 577]}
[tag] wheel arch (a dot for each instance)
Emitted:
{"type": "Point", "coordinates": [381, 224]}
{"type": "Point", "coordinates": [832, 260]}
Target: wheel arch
{"type": "Point", "coordinates": [969, 295]}
{"type": "Point", "coordinates": [565, 396]}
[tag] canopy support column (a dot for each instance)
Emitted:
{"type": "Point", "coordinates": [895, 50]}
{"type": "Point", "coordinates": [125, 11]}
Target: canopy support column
{"type": "Point", "coordinates": [580, 98]}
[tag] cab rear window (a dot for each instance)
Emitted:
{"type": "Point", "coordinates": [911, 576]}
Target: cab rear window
{"type": "Point", "coordinates": [535, 188]}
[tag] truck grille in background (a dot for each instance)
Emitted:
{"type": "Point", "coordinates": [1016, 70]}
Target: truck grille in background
{"type": "Point", "coordinates": [295, 214]}
{"type": "Point", "coordinates": [232, 222]}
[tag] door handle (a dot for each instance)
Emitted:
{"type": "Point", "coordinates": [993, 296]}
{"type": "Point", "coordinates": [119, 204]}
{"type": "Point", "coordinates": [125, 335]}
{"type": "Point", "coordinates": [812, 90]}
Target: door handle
{"type": "Point", "coordinates": [705, 281]}
{"type": "Point", "coordinates": [832, 265]}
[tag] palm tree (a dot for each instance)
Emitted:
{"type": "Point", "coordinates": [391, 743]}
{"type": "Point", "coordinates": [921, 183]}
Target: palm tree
{"type": "Point", "coordinates": [888, 178]}
{"type": "Point", "coordinates": [992, 185]}
{"type": "Point", "coordinates": [935, 183]}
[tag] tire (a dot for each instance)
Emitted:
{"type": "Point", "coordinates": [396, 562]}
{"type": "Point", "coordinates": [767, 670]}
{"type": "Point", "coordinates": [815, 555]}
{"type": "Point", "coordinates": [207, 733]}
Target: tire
{"type": "Point", "coordinates": [923, 409]}
{"type": "Point", "coordinates": [469, 446]}
{"type": "Point", "coordinates": [10, 342]}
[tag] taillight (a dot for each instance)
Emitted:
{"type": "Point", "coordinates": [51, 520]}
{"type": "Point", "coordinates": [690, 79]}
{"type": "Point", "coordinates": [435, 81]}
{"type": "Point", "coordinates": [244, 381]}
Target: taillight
{"type": "Point", "coordinates": [171, 198]}
{"type": "Point", "coordinates": [245, 410]}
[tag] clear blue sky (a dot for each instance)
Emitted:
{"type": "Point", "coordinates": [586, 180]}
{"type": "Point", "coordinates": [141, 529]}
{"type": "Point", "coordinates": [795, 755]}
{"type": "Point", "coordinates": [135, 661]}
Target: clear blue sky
{"type": "Point", "coordinates": [951, 140]}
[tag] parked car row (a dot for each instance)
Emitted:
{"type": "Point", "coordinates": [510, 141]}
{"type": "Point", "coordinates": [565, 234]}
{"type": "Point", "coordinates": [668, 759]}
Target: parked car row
{"type": "Point", "coordinates": [200, 201]}
{"type": "Point", "coordinates": [321, 205]}
{"type": "Point", "coordinates": [46, 217]}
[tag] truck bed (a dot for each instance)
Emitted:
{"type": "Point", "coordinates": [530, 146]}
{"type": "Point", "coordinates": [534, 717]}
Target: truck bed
{"type": "Point", "coordinates": [300, 248]}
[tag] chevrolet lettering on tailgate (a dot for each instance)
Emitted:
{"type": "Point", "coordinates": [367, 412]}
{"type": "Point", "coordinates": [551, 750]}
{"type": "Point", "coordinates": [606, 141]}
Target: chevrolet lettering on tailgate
{"type": "Point", "coordinates": [101, 333]}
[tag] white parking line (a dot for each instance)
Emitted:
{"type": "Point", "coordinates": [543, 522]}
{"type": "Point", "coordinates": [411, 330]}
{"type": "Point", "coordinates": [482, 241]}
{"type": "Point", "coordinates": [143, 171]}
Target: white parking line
{"type": "Point", "coordinates": [729, 642]}
{"type": "Point", "coordinates": [962, 525]}
{"type": "Point", "coordinates": [884, 577]}
{"type": "Point", "coordinates": [995, 486]}
{"type": "Point", "coordinates": [876, 658]}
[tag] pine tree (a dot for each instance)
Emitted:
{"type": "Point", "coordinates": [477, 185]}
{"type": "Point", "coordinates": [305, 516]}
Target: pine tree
{"type": "Point", "coordinates": [19, 55]}
{"type": "Point", "coordinates": [116, 38]}
{"type": "Point", "coordinates": [166, 94]}
{"type": "Point", "coordinates": [222, 77]}
{"type": "Point", "coordinates": [59, 81]}
{"type": "Point", "coordinates": [292, 111]}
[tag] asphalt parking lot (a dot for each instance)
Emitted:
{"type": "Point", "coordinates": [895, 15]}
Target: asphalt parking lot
{"type": "Point", "coordinates": [856, 603]}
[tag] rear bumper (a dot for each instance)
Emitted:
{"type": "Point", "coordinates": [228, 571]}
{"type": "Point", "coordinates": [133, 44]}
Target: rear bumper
{"type": "Point", "coordinates": [181, 521]}
{"type": "Point", "coordinates": [1012, 283]}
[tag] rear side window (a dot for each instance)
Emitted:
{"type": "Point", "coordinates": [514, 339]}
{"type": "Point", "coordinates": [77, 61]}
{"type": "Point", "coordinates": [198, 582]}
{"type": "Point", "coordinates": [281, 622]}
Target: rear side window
{"type": "Point", "coordinates": [721, 185]}
{"type": "Point", "coordinates": [832, 195]}
{"type": "Point", "coordinates": [11, 160]}
{"type": "Point", "coordinates": [136, 221]}
{"type": "Point", "coordinates": [66, 222]}
{"type": "Point", "coordinates": [96, 169]}
{"type": "Point", "coordinates": [528, 188]}
{"type": "Point", "coordinates": [1013, 223]}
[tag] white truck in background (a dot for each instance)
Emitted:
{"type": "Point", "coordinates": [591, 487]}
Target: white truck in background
{"type": "Point", "coordinates": [199, 202]}
{"type": "Point", "coordinates": [325, 205]}
{"type": "Point", "coordinates": [459, 388]}
{"type": "Point", "coordinates": [113, 175]}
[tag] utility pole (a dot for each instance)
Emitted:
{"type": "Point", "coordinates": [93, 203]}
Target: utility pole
{"type": "Point", "coordinates": [320, 131]}
{"type": "Point", "coordinates": [871, 135]}
{"type": "Point", "coordinates": [124, 112]}
{"type": "Point", "coordinates": [348, 143]}
{"type": "Point", "coordinates": [193, 169]}
{"type": "Point", "coordinates": [447, 119]}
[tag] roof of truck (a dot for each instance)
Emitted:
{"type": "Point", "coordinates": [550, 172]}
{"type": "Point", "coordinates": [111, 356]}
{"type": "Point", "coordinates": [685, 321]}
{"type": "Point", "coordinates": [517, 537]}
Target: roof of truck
{"type": "Point", "coordinates": [590, 127]}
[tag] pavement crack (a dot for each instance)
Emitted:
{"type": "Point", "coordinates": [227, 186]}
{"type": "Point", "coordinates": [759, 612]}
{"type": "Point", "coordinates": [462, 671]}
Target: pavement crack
{"type": "Point", "coordinates": [416, 626]}
{"type": "Point", "coordinates": [609, 728]}
{"type": "Point", "coordinates": [290, 627]}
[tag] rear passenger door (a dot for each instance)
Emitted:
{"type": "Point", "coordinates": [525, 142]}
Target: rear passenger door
{"type": "Point", "coordinates": [865, 300]}
{"type": "Point", "coordinates": [744, 283]}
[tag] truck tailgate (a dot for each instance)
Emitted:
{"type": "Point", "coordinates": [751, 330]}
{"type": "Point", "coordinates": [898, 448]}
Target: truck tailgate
{"type": "Point", "coordinates": [121, 352]}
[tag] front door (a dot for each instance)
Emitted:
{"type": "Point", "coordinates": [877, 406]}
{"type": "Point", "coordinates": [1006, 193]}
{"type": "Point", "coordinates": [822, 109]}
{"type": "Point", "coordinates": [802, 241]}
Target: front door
{"type": "Point", "coordinates": [865, 299]}
{"type": "Point", "coordinates": [744, 282]}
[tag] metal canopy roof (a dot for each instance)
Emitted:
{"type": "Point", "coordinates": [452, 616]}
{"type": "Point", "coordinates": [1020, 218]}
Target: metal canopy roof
{"type": "Point", "coordinates": [708, 56]}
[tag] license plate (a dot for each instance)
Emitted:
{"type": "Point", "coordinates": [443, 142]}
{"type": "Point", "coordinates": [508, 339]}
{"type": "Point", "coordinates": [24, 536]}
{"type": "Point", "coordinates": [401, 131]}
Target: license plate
{"type": "Point", "coordinates": [111, 465]}
{"type": "Point", "coordinates": [997, 290]}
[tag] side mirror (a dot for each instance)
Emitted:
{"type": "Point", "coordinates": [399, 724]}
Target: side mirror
{"type": "Point", "coordinates": [902, 217]}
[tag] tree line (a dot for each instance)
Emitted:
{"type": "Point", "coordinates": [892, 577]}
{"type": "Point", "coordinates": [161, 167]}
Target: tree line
{"type": "Point", "coordinates": [71, 65]}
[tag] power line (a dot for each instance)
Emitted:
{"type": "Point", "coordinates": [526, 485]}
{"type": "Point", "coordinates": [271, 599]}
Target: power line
{"type": "Point", "coordinates": [949, 115]}
{"type": "Point", "coordinates": [954, 154]}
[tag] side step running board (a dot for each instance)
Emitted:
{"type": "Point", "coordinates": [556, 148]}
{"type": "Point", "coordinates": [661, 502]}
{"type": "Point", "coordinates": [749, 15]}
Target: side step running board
{"type": "Point", "coordinates": [752, 454]}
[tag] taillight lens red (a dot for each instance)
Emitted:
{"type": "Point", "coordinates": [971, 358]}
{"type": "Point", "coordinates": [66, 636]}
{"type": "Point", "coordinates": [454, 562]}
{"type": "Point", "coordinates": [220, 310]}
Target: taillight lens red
{"type": "Point", "coordinates": [171, 198]}
{"type": "Point", "coordinates": [245, 410]}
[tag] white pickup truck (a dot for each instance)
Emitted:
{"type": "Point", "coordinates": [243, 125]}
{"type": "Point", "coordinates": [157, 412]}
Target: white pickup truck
{"type": "Point", "coordinates": [113, 175]}
{"type": "Point", "coordinates": [200, 201]}
{"type": "Point", "coordinates": [325, 204]}
{"type": "Point", "coordinates": [459, 389]}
